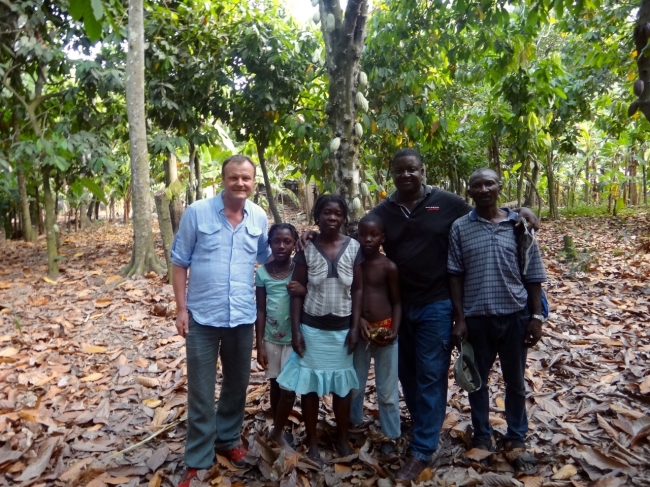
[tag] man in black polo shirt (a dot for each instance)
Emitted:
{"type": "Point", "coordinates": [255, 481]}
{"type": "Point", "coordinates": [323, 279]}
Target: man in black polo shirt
{"type": "Point", "coordinates": [417, 220]}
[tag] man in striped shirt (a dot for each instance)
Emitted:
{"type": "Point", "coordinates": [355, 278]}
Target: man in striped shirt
{"type": "Point", "coordinates": [495, 308]}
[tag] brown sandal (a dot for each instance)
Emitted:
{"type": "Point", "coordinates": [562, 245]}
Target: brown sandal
{"type": "Point", "coordinates": [411, 469]}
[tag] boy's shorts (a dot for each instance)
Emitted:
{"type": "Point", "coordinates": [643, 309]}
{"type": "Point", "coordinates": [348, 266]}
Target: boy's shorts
{"type": "Point", "coordinates": [278, 356]}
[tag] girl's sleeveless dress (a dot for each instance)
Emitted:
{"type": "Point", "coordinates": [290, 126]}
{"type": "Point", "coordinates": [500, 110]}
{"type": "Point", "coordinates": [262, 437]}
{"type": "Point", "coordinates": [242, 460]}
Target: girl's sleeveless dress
{"type": "Point", "coordinates": [326, 366]}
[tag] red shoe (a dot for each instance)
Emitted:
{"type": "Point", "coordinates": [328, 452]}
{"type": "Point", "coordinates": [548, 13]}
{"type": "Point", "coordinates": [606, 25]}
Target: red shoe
{"type": "Point", "coordinates": [236, 455]}
{"type": "Point", "coordinates": [187, 477]}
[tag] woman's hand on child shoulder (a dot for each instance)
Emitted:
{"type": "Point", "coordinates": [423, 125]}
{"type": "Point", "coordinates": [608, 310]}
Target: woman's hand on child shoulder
{"type": "Point", "coordinates": [298, 344]}
{"type": "Point", "coordinates": [304, 238]}
{"type": "Point", "coordinates": [296, 289]}
{"type": "Point", "coordinates": [262, 358]}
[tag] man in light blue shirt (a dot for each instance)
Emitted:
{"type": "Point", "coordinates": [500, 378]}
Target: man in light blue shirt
{"type": "Point", "coordinates": [219, 239]}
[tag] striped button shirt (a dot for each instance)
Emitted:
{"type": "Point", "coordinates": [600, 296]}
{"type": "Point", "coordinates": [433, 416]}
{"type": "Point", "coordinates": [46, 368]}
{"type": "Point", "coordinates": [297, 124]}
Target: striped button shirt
{"type": "Point", "coordinates": [486, 255]}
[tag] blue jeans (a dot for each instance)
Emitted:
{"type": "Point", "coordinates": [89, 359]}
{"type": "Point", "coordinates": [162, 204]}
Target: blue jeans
{"type": "Point", "coordinates": [502, 335]}
{"type": "Point", "coordinates": [424, 357]}
{"type": "Point", "coordinates": [205, 428]}
{"type": "Point", "coordinates": [386, 385]}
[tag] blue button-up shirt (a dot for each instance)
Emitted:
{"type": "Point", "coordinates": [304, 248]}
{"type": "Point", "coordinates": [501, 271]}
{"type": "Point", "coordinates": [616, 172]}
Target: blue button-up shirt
{"type": "Point", "coordinates": [221, 261]}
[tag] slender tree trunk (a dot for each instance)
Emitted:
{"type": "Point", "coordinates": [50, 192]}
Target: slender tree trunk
{"type": "Point", "coordinates": [52, 267]}
{"type": "Point", "coordinates": [143, 258]}
{"type": "Point", "coordinates": [25, 219]}
{"type": "Point", "coordinates": [199, 178]}
{"type": "Point", "coordinates": [39, 213]}
{"type": "Point", "coordinates": [191, 192]}
{"type": "Point", "coordinates": [552, 194]}
{"type": "Point", "coordinates": [165, 225]}
{"type": "Point", "coordinates": [587, 189]}
{"type": "Point", "coordinates": [111, 209]}
{"type": "Point", "coordinates": [89, 211]}
{"type": "Point", "coordinates": [175, 204]}
{"type": "Point", "coordinates": [645, 186]}
{"type": "Point", "coordinates": [643, 60]}
{"type": "Point", "coordinates": [634, 189]}
{"type": "Point", "coordinates": [520, 182]}
{"type": "Point", "coordinates": [344, 39]}
{"type": "Point", "coordinates": [261, 148]}
{"type": "Point", "coordinates": [531, 194]}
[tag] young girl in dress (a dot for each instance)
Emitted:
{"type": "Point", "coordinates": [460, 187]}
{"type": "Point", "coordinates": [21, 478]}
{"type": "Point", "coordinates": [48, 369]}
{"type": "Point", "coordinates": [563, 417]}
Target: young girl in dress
{"type": "Point", "coordinates": [325, 323]}
{"type": "Point", "coordinates": [274, 285]}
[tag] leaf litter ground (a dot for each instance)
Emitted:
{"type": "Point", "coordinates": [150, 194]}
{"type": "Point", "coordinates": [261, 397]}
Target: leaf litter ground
{"type": "Point", "coordinates": [91, 365]}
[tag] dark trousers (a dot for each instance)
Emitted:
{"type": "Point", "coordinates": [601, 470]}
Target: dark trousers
{"type": "Point", "coordinates": [424, 357]}
{"type": "Point", "coordinates": [502, 335]}
{"type": "Point", "coordinates": [205, 428]}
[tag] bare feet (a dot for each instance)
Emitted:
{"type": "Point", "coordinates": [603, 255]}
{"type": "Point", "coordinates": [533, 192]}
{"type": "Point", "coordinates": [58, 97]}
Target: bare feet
{"type": "Point", "coordinates": [277, 435]}
{"type": "Point", "coordinates": [343, 448]}
{"type": "Point", "coordinates": [411, 469]}
{"type": "Point", "coordinates": [314, 454]}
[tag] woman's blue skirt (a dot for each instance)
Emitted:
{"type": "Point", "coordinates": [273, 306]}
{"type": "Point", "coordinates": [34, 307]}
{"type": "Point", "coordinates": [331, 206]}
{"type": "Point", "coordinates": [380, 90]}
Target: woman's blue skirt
{"type": "Point", "coordinates": [326, 367]}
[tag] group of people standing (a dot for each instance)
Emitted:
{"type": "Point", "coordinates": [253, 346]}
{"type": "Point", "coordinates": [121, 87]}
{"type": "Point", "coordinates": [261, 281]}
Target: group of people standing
{"type": "Point", "coordinates": [324, 313]}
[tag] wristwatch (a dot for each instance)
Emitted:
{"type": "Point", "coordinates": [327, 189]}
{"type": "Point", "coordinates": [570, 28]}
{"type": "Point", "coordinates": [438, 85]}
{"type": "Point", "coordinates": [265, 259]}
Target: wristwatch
{"type": "Point", "coordinates": [538, 317]}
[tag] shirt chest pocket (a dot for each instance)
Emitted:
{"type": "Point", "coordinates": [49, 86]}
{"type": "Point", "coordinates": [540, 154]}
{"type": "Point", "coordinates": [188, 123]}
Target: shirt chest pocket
{"type": "Point", "coordinates": [209, 236]}
{"type": "Point", "coordinates": [251, 239]}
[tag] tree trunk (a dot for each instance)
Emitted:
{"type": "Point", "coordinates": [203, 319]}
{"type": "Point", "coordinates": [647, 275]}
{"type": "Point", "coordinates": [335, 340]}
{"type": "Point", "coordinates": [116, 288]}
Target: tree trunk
{"type": "Point", "coordinates": [634, 189]}
{"type": "Point", "coordinates": [25, 218]}
{"type": "Point", "coordinates": [39, 213]}
{"type": "Point", "coordinates": [50, 231]}
{"type": "Point", "coordinates": [520, 183]}
{"type": "Point", "coordinates": [111, 209]}
{"type": "Point", "coordinates": [552, 195]}
{"type": "Point", "coordinates": [166, 232]}
{"type": "Point", "coordinates": [531, 194]}
{"type": "Point", "coordinates": [495, 159]}
{"type": "Point", "coordinates": [85, 223]}
{"type": "Point", "coordinates": [261, 147]}
{"type": "Point", "coordinates": [645, 186]}
{"type": "Point", "coordinates": [143, 257]}
{"type": "Point", "coordinates": [127, 204]}
{"type": "Point", "coordinates": [642, 60]}
{"type": "Point", "coordinates": [89, 211]}
{"type": "Point", "coordinates": [175, 204]}
{"type": "Point", "coordinates": [344, 40]}
{"type": "Point", "coordinates": [190, 183]}
{"type": "Point", "coordinates": [199, 178]}
{"type": "Point", "coordinates": [171, 169]}
{"type": "Point", "coordinates": [570, 249]}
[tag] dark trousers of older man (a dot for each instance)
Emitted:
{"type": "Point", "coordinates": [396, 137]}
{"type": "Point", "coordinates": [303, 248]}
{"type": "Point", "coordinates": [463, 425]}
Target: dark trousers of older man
{"type": "Point", "coordinates": [504, 336]}
{"type": "Point", "coordinates": [424, 357]}
{"type": "Point", "coordinates": [207, 430]}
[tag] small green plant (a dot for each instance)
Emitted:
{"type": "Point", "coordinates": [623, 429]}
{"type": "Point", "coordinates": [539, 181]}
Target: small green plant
{"type": "Point", "coordinates": [17, 324]}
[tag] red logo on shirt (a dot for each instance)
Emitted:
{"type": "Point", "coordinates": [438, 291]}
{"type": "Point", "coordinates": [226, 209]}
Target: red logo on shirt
{"type": "Point", "coordinates": [432, 208]}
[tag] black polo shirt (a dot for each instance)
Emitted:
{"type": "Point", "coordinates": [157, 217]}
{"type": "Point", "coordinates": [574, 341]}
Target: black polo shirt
{"type": "Point", "coordinates": [418, 242]}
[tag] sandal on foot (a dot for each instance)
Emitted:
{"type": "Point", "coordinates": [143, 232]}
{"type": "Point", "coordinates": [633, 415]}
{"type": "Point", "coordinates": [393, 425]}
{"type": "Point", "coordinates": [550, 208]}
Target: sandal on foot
{"type": "Point", "coordinates": [517, 456]}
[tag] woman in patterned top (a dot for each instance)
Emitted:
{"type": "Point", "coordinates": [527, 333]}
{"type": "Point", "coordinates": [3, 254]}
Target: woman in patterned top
{"type": "Point", "coordinates": [325, 323]}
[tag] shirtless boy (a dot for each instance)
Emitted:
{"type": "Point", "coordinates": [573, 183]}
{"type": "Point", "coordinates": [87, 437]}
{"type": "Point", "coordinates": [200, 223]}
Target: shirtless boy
{"type": "Point", "coordinates": [380, 318]}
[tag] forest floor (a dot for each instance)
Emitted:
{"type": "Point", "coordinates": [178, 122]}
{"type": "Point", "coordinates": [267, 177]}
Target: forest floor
{"type": "Point", "coordinates": [90, 364]}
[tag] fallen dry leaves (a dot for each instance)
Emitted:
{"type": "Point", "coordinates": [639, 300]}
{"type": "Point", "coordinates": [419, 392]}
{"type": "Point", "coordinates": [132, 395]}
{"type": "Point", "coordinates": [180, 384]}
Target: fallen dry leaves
{"type": "Point", "coordinates": [90, 365]}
